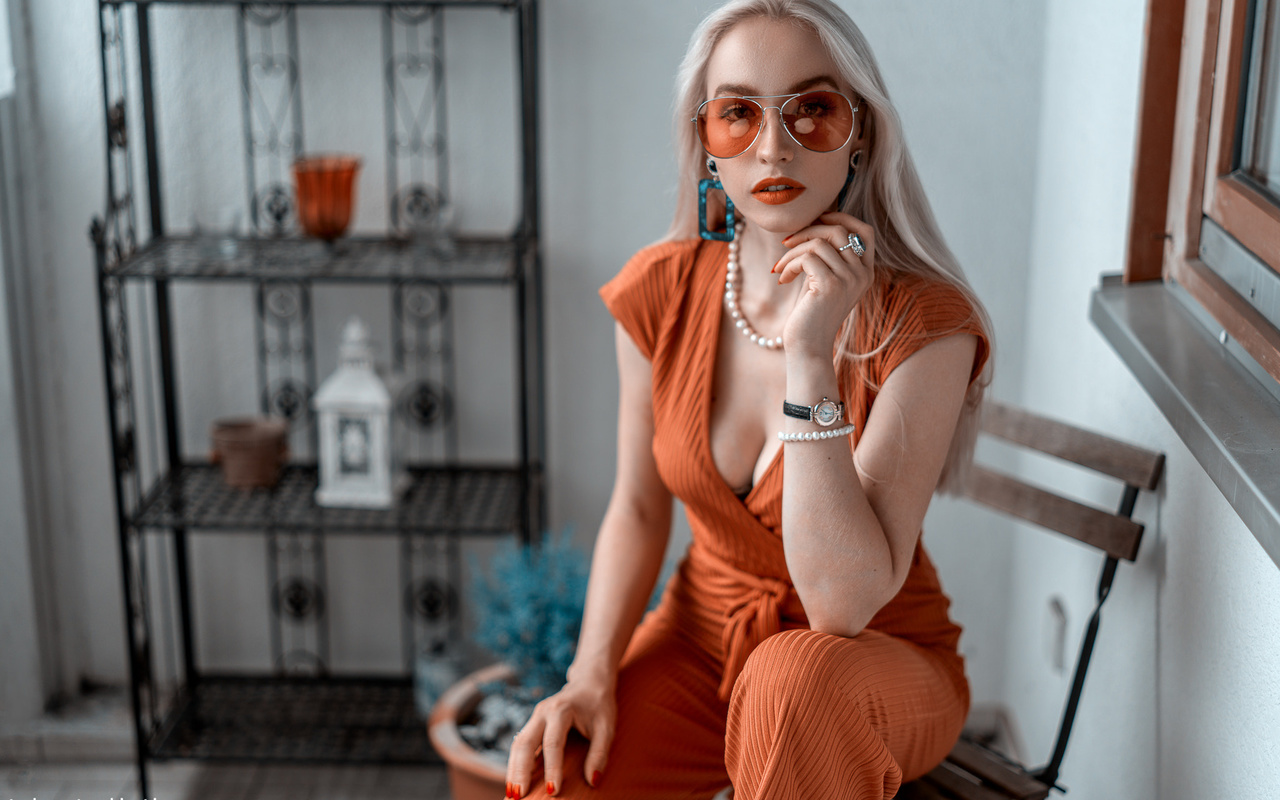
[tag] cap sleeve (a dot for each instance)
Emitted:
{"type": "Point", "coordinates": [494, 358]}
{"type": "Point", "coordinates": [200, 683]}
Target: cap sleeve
{"type": "Point", "coordinates": [925, 312]}
{"type": "Point", "coordinates": [639, 296]}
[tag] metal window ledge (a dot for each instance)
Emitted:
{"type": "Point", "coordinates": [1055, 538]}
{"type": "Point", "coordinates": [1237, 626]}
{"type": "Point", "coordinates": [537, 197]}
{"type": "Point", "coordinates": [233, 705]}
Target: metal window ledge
{"type": "Point", "coordinates": [1226, 417]}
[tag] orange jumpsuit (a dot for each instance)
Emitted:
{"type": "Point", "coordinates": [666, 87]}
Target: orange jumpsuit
{"type": "Point", "coordinates": [724, 681]}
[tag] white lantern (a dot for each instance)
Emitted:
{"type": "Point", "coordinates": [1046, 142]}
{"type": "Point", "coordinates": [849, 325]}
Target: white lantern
{"type": "Point", "coordinates": [358, 463]}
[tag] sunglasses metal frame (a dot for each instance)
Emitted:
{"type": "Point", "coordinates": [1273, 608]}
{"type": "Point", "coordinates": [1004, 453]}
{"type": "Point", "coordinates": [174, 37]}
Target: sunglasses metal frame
{"type": "Point", "coordinates": [764, 112]}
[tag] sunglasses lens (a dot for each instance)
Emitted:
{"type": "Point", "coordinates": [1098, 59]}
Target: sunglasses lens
{"type": "Point", "coordinates": [821, 121]}
{"type": "Point", "coordinates": [728, 125]}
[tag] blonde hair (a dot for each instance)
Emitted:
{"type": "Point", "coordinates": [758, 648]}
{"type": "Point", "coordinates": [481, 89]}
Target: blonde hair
{"type": "Point", "coordinates": [887, 193]}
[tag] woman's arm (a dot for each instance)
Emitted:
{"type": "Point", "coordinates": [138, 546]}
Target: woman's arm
{"type": "Point", "coordinates": [634, 533]}
{"type": "Point", "coordinates": [628, 556]}
{"type": "Point", "coordinates": [850, 525]}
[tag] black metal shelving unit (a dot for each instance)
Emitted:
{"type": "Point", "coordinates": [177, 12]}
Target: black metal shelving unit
{"type": "Point", "coordinates": [299, 710]}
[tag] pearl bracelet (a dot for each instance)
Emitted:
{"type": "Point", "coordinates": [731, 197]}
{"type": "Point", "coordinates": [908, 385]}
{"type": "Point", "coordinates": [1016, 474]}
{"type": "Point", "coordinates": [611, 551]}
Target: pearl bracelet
{"type": "Point", "coordinates": [816, 435]}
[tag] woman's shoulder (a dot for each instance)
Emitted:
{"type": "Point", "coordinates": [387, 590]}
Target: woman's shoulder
{"type": "Point", "coordinates": [653, 272]}
{"type": "Point", "coordinates": [674, 254]}
{"type": "Point", "coordinates": [643, 294]}
{"type": "Point", "coordinates": [924, 290]}
{"type": "Point", "coordinates": [919, 309]}
{"type": "Point", "coordinates": [930, 301]}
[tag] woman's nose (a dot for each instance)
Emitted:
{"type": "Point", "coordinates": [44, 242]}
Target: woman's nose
{"type": "Point", "coordinates": [775, 143]}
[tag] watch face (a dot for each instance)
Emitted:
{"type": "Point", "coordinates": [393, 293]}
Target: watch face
{"type": "Point", "coordinates": [826, 412]}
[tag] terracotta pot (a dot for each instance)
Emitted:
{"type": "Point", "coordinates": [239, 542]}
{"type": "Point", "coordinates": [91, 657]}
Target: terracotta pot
{"type": "Point", "coordinates": [325, 190]}
{"type": "Point", "coordinates": [250, 449]}
{"type": "Point", "coordinates": [471, 776]}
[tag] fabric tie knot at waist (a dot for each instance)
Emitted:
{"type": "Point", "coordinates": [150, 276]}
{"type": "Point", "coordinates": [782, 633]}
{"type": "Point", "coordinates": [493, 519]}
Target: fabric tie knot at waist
{"type": "Point", "coordinates": [752, 618]}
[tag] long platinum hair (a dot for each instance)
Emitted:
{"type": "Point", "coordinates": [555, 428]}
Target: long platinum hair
{"type": "Point", "coordinates": [887, 193]}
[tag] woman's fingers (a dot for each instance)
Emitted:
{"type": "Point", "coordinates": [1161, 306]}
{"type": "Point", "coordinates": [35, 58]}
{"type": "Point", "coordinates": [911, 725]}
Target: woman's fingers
{"type": "Point", "coordinates": [554, 738]}
{"type": "Point", "coordinates": [598, 752]}
{"type": "Point", "coordinates": [820, 258]}
{"type": "Point", "coordinates": [856, 226]}
{"type": "Point", "coordinates": [524, 750]}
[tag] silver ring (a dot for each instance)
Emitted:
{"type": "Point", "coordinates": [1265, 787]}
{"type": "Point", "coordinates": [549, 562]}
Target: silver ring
{"type": "Point", "coordinates": [855, 242]}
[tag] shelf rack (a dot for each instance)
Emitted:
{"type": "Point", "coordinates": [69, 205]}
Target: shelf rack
{"type": "Point", "coordinates": [299, 710]}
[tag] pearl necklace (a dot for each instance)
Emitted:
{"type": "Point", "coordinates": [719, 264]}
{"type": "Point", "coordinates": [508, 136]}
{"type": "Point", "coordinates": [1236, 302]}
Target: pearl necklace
{"type": "Point", "coordinates": [732, 284]}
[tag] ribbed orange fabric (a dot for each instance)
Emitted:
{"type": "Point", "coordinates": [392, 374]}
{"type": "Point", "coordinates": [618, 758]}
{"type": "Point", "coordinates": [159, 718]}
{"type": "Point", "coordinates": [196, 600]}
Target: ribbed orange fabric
{"type": "Point", "coordinates": [725, 679]}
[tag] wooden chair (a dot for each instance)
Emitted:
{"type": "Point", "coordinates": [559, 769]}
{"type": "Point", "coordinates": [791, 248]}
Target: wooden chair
{"type": "Point", "coordinates": [972, 771]}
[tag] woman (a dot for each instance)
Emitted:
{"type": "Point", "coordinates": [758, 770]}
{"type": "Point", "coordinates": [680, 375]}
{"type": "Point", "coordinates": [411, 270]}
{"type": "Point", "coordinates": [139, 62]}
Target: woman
{"type": "Point", "coordinates": [803, 648]}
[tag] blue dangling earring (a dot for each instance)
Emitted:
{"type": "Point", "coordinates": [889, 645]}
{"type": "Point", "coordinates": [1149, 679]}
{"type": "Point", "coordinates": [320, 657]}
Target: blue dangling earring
{"type": "Point", "coordinates": [714, 183]}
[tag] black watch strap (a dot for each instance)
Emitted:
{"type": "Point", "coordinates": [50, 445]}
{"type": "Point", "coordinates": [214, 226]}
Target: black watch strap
{"type": "Point", "coordinates": [799, 412]}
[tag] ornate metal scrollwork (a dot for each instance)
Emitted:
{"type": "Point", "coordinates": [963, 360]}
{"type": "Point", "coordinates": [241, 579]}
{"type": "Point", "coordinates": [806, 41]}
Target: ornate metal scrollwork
{"type": "Point", "coordinates": [301, 662]}
{"type": "Point", "coordinates": [298, 599]}
{"type": "Point", "coordinates": [289, 399]}
{"type": "Point", "coordinates": [417, 150]}
{"type": "Point", "coordinates": [425, 405]}
{"type": "Point", "coordinates": [431, 600]}
{"type": "Point", "coordinates": [425, 304]}
{"type": "Point", "coordinates": [266, 13]}
{"type": "Point", "coordinates": [286, 302]}
{"type": "Point", "coordinates": [417, 209]}
{"type": "Point", "coordinates": [271, 98]}
{"type": "Point", "coordinates": [117, 125]}
{"type": "Point", "coordinates": [274, 208]}
{"type": "Point", "coordinates": [411, 15]}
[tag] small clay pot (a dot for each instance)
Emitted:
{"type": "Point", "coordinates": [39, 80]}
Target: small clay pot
{"type": "Point", "coordinates": [250, 449]}
{"type": "Point", "coordinates": [471, 775]}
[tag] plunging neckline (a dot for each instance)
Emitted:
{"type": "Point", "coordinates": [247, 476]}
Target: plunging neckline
{"type": "Point", "coordinates": [709, 378]}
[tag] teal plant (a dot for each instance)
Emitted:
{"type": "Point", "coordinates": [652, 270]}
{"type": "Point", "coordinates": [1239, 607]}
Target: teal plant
{"type": "Point", "coordinates": [529, 609]}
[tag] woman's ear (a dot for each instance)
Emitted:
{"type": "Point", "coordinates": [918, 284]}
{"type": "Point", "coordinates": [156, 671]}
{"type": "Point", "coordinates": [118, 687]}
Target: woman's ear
{"type": "Point", "coordinates": [862, 125]}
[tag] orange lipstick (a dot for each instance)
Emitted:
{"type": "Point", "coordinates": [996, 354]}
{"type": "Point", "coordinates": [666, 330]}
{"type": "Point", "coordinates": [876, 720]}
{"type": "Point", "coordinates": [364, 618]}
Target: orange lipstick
{"type": "Point", "coordinates": [776, 191]}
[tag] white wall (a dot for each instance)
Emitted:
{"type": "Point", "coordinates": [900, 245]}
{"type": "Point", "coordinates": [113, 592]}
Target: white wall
{"type": "Point", "coordinates": [20, 662]}
{"type": "Point", "coordinates": [1181, 699]}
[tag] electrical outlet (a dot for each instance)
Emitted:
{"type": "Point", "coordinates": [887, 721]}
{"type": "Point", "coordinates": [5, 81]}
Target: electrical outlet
{"type": "Point", "coordinates": [1055, 634]}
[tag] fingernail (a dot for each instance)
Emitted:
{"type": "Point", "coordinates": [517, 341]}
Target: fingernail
{"type": "Point", "coordinates": [595, 778]}
{"type": "Point", "coordinates": [508, 794]}
{"type": "Point", "coordinates": [774, 268]}
{"type": "Point", "coordinates": [551, 787]}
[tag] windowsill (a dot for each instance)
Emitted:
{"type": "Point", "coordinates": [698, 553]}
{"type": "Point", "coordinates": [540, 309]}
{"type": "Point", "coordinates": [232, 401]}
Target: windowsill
{"type": "Point", "coordinates": [1227, 419]}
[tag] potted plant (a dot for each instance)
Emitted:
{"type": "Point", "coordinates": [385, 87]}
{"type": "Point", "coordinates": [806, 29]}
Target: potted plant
{"type": "Point", "coordinates": [529, 612]}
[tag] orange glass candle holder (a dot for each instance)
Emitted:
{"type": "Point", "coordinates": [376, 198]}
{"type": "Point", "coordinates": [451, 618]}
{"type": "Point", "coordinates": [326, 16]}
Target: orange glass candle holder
{"type": "Point", "coordinates": [325, 190]}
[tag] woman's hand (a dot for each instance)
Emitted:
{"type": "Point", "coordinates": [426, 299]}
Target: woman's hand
{"type": "Point", "coordinates": [586, 704]}
{"type": "Point", "coordinates": [835, 280]}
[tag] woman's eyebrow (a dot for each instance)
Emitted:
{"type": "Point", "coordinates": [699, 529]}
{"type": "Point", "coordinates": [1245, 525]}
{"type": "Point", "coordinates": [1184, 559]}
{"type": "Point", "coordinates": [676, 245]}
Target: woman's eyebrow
{"type": "Point", "coordinates": [747, 91]}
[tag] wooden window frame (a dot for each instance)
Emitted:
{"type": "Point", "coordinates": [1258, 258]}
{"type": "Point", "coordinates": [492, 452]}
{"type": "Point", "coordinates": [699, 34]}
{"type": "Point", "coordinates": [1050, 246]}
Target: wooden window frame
{"type": "Point", "coordinates": [1183, 168]}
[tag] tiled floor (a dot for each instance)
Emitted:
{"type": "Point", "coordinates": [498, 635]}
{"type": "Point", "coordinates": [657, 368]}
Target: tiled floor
{"type": "Point", "coordinates": [200, 781]}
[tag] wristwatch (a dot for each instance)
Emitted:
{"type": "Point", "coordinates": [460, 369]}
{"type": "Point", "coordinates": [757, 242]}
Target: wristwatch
{"type": "Point", "coordinates": [825, 412]}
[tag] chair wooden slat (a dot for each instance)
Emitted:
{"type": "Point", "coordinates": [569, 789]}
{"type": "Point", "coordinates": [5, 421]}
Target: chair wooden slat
{"type": "Point", "coordinates": [982, 763]}
{"type": "Point", "coordinates": [1116, 535]}
{"type": "Point", "coordinates": [954, 786]}
{"type": "Point", "coordinates": [1132, 464]}
{"type": "Point", "coordinates": [920, 789]}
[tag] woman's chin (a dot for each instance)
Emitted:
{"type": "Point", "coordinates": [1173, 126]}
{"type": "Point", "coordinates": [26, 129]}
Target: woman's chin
{"type": "Point", "coordinates": [782, 220]}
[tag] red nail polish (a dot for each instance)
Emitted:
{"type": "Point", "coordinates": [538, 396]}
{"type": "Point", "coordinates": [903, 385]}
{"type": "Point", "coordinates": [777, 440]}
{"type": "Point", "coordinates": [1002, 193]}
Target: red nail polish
{"type": "Point", "coordinates": [595, 778]}
{"type": "Point", "coordinates": [508, 794]}
{"type": "Point", "coordinates": [551, 788]}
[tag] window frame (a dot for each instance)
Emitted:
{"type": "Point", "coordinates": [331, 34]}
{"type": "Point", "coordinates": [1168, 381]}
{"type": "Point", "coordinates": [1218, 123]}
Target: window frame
{"type": "Point", "coordinates": [1184, 163]}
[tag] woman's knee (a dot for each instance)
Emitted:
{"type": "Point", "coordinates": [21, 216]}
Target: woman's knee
{"type": "Point", "coordinates": [789, 665]}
